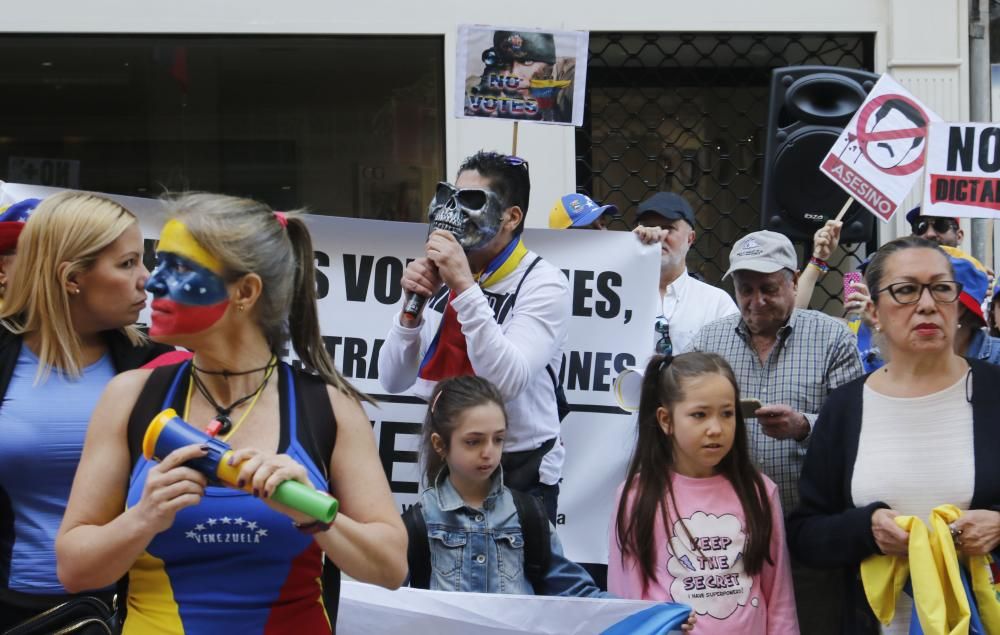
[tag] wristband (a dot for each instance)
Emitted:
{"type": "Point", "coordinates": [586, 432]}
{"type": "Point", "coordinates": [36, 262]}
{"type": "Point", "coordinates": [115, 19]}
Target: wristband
{"type": "Point", "coordinates": [819, 264]}
{"type": "Point", "coordinates": [314, 527]}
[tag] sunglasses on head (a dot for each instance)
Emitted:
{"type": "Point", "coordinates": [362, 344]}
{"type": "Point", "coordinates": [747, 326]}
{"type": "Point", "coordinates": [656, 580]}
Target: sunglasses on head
{"type": "Point", "coordinates": [940, 225]}
{"type": "Point", "coordinates": [471, 198]}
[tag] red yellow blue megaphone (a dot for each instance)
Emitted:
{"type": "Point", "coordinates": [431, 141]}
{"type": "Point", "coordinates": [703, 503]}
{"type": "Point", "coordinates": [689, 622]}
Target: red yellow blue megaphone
{"type": "Point", "coordinates": [167, 432]}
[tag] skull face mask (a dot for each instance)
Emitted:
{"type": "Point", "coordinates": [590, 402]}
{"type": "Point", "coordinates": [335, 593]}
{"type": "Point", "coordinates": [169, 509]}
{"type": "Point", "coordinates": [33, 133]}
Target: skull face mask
{"type": "Point", "coordinates": [473, 215]}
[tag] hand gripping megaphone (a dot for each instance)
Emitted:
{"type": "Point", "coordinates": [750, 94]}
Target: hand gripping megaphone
{"type": "Point", "coordinates": [628, 388]}
{"type": "Point", "coordinates": [167, 432]}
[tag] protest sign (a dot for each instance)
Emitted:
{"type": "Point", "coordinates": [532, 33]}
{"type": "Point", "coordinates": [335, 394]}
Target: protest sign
{"type": "Point", "coordinates": [612, 278]}
{"type": "Point", "coordinates": [880, 154]}
{"type": "Point", "coordinates": [963, 170]}
{"type": "Point", "coordinates": [521, 74]}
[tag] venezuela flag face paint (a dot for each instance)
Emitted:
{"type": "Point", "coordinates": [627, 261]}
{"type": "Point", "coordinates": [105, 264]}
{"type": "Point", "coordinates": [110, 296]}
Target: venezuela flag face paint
{"type": "Point", "coordinates": [187, 284]}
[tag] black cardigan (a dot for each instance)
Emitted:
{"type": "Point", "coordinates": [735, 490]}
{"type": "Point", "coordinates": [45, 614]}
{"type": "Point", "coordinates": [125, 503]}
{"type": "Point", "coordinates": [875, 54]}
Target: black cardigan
{"type": "Point", "coordinates": [828, 531]}
{"type": "Point", "coordinates": [124, 355]}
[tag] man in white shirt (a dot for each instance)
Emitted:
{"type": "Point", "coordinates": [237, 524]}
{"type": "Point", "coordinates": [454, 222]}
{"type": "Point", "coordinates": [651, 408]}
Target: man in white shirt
{"type": "Point", "coordinates": [686, 304]}
{"type": "Point", "coordinates": [495, 310]}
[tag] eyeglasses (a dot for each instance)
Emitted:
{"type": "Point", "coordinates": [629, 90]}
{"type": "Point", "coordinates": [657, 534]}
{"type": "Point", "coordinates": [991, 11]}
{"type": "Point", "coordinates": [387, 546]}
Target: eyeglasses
{"type": "Point", "coordinates": [940, 225]}
{"type": "Point", "coordinates": [942, 291]}
{"type": "Point", "coordinates": [472, 198]}
{"type": "Point", "coordinates": [663, 346]}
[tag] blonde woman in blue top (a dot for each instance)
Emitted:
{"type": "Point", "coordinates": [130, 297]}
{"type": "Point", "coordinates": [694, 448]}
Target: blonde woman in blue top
{"type": "Point", "coordinates": [67, 330]}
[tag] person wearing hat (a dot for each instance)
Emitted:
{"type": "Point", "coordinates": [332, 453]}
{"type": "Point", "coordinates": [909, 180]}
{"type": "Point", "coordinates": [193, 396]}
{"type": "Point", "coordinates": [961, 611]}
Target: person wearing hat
{"type": "Point", "coordinates": [790, 360]}
{"type": "Point", "coordinates": [686, 304]}
{"type": "Point", "coordinates": [12, 222]}
{"type": "Point", "coordinates": [943, 230]}
{"type": "Point", "coordinates": [579, 211]}
{"type": "Point", "coordinates": [972, 339]}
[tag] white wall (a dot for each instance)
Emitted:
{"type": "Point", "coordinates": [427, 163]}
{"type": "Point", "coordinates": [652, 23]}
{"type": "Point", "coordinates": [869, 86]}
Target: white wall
{"type": "Point", "coordinates": [924, 43]}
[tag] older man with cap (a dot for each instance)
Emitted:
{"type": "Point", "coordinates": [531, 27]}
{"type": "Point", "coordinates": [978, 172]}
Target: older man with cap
{"type": "Point", "coordinates": [686, 304]}
{"type": "Point", "coordinates": [789, 360]}
{"type": "Point", "coordinates": [12, 222]}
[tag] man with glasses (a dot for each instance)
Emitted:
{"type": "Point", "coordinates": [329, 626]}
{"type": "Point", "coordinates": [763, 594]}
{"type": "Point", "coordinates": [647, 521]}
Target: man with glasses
{"type": "Point", "coordinates": [494, 309]}
{"type": "Point", "coordinates": [686, 304]}
{"type": "Point", "coordinates": [942, 230]}
{"type": "Point", "coordinates": [12, 222]}
{"type": "Point", "coordinates": [789, 360]}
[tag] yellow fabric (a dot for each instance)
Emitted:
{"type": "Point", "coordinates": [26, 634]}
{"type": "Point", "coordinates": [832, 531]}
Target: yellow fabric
{"type": "Point", "coordinates": [983, 572]}
{"type": "Point", "coordinates": [509, 265]}
{"type": "Point", "coordinates": [933, 569]}
{"type": "Point", "coordinates": [152, 609]}
{"type": "Point", "coordinates": [955, 252]}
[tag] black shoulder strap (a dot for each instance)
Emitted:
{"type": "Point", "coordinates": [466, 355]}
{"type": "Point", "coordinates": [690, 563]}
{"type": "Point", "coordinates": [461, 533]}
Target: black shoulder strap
{"type": "Point", "coordinates": [537, 538]}
{"type": "Point", "coordinates": [418, 552]}
{"type": "Point", "coordinates": [148, 405]}
{"type": "Point", "coordinates": [317, 424]}
{"type": "Point", "coordinates": [523, 278]}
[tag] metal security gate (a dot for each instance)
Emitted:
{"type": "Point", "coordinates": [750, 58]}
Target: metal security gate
{"type": "Point", "coordinates": [685, 112]}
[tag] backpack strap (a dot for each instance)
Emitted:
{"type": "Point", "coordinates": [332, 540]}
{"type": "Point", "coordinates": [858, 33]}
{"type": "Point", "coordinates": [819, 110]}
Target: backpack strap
{"type": "Point", "coordinates": [537, 538]}
{"type": "Point", "coordinates": [418, 552]}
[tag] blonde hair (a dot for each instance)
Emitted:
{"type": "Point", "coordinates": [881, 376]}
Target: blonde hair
{"type": "Point", "coordinates": [247, 237]}
{"type": "Point", "coordinates": [68, 227]}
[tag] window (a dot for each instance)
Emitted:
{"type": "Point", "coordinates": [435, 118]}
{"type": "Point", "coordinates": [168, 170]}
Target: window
{"type": "Point", "coordinates": [344, 125]}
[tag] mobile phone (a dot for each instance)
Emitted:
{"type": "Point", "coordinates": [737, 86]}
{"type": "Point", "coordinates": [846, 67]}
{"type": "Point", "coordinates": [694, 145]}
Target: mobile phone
{"type": "Point", "coordinates": [849, 277]}
{"type": "Point", "coordinates": [750, 406]}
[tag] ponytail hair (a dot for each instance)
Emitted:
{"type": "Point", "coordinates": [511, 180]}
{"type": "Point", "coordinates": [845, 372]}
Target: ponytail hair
{"type": "Point", "coordinates": [449, 400]}
{"type": "Point", "coordinates": [303, 319]}
{"type": "Point", "coordinates": [648, 485]}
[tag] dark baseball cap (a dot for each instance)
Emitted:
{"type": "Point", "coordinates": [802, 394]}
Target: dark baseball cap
{"type": "Point", "coordinates": [668, 205]}
{"type": "Point", "coordinates": [914, 215]}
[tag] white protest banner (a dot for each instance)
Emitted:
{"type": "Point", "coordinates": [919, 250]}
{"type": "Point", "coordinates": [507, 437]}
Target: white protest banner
{"type": "Point", "coordinates": [371, 610]}
{"type": "Point", "coordinates": [521, 74]}
{"type": "Point", "coordinates": [963, 170]}
{"type": "Point", "coordinates": [880, 154]}
{"type": "Point", "coordinates": [613, 279]}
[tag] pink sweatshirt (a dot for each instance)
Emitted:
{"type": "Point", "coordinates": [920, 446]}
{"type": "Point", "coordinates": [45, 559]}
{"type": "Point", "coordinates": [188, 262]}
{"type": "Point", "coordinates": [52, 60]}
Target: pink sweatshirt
{"type": "Point", "coordinates": [709, 576]}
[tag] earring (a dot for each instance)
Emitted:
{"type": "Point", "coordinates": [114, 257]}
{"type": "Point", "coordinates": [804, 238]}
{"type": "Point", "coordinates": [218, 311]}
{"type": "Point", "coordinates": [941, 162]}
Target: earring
{"type": "Point", "coordinates": [878, 328]}
{"type": "Point", "coordinates": [240, 308]}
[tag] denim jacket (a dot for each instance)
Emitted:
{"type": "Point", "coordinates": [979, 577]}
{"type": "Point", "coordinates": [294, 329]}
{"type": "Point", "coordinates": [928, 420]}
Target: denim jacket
{"type": "Point", "coordinates": [984, 346]}
{"type": "Point", "coordinates": [482, 550]}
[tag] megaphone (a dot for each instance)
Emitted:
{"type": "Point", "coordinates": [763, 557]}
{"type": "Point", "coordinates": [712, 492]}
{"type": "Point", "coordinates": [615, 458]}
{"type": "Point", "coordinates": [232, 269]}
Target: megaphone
{"type": "Point", "coordinates": [628, 388]}
{"type": "Point", "coordinates": [167, 432]}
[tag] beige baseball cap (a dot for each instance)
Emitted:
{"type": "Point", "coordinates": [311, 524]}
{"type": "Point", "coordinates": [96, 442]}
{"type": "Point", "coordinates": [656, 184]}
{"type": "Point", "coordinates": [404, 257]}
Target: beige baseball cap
{"type": "Point", "coordinates": [764, 251]}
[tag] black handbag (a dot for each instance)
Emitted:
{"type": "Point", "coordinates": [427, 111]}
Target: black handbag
{"type": "Point", "coordinates": [80, 616]}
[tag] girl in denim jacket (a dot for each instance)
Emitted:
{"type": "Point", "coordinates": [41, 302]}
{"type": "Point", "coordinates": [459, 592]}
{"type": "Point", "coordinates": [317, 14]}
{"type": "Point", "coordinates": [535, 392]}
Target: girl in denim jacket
{"type": "Point", "coordinates": [475, 537]}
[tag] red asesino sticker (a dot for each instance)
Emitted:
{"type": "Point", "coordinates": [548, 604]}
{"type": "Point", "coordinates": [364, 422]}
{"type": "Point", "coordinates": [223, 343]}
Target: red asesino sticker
{"type": "Point", "coordinates": [880, 154]}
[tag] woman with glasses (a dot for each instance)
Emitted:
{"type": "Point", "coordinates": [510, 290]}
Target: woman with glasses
{"type": "Point", "coordinates": [913, 435]}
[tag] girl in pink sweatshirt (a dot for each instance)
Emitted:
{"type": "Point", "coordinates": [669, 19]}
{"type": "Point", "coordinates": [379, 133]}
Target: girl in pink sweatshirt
{"type": "Point", "coordinates": [696, 522]}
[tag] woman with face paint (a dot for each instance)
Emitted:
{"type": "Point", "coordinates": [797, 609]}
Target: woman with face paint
{"type": "Point", "coordinates": [234, 282]}
{"type": "Point", "coordinates": [67, 329]}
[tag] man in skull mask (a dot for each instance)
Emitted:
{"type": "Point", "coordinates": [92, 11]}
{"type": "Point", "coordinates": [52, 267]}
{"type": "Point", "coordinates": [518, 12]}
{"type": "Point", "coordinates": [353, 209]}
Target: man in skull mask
{"type": "Point", "coordinates": [496, 310]}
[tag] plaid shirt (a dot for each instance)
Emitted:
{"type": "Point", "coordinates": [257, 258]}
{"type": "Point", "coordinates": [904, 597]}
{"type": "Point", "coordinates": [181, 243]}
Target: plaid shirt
{"type": "Point", "coordinates": [813, 355]}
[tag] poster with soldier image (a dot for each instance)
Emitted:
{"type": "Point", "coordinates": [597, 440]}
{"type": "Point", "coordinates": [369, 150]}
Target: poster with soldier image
{"type": "Point", "coordinates": [521, 74]}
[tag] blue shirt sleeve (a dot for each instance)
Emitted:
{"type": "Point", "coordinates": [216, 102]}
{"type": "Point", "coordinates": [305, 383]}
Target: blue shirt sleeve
{"type": "Point", "coordinates": [567, 578]}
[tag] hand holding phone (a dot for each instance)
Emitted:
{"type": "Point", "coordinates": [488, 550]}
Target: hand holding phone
{"type": "Point", "coordinates": [749, 406]}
